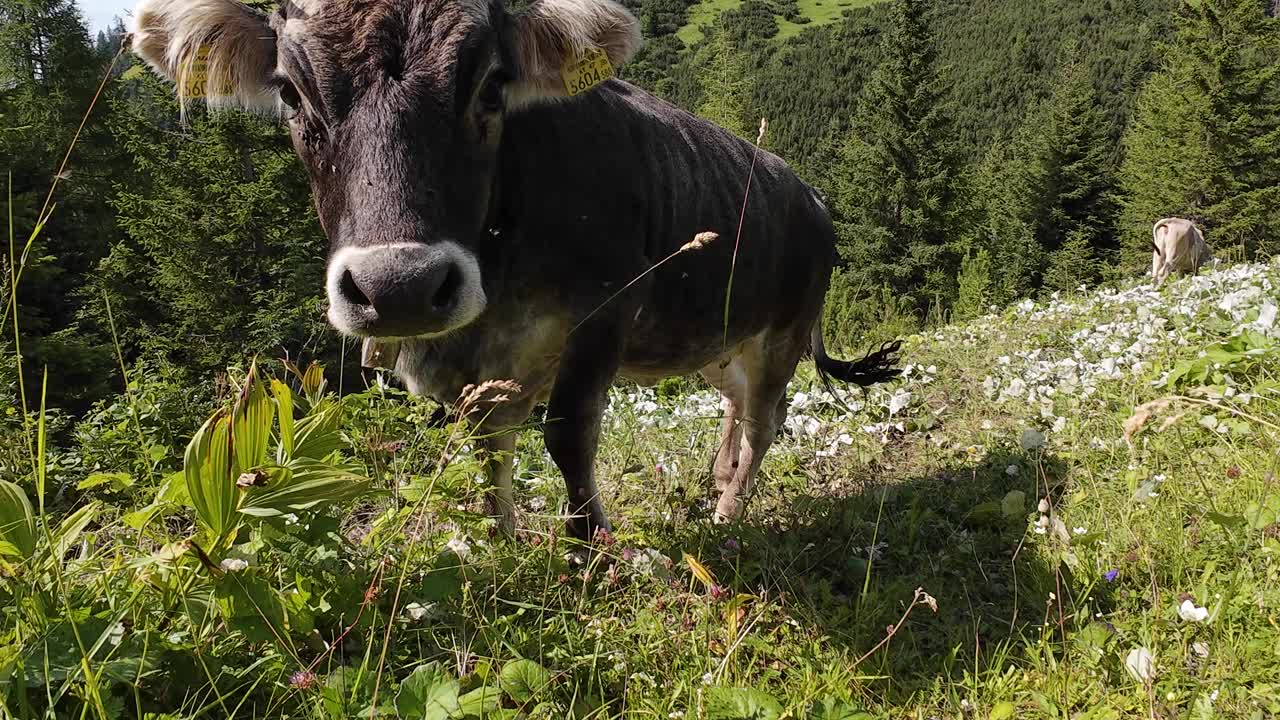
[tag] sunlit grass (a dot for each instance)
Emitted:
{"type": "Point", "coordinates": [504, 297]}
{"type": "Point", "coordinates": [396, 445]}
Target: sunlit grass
{"type": "Point", "coordinates": [1059, 540]}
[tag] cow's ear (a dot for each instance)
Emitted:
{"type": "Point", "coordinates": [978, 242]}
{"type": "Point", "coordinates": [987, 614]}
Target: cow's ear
{"type": "Point", "coordinates": [553, 33]}
{"type": "Point", "coordinates": [220, 50]}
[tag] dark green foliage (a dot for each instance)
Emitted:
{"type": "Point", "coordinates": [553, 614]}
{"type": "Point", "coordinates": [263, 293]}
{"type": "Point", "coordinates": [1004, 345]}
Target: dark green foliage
{"type": "Point", "coordinates": [1073, 264]}
{"type": "Point", "coordinates": [48, 75]}
{"type": "Point", "coordinates": [1053, 180]}
{"type": "Point", "coordinates": [1206, 141]}
{"type": "Point", "coordinates": [222, 256]}
{"type": "Point", "coordinates": [725, 82]}
{"type": "Point", "coordinates": [895, 190]}
{"type": "Point", "coordinates": [974, 290]}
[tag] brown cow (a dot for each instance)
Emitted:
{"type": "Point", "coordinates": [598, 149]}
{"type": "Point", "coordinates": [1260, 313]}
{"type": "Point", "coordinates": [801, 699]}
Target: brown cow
{"type": "Point", "coordinates": [1176, 245]}
{"type": "Point", "coordinates": [482, 222]}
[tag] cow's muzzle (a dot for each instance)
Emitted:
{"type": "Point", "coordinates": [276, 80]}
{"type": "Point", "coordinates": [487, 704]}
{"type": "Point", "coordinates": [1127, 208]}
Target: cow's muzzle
{"type": "Point", "coordinates": [403, 290]}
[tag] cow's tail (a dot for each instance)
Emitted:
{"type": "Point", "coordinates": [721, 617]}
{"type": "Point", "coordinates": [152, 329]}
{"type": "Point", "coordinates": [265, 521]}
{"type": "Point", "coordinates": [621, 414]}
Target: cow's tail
{"type": "Point", "coordinates": [874, 367]}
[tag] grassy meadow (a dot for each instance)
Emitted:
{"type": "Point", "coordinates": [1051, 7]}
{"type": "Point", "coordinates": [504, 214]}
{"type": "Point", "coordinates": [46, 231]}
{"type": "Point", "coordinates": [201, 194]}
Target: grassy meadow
{"type": "Point", "coordinates": [1068, 508]}
{"type": "Point", "coordinates": [816, 12]}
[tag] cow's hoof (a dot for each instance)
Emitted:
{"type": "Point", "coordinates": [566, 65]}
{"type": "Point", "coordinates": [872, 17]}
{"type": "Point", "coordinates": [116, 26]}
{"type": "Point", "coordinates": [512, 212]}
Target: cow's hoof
{"type": "Point", "coordinates": [578, 557]}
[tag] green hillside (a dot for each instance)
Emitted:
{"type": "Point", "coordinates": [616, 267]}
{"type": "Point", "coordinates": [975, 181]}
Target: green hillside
{"type": "Point", "coordinates": [817, 13]}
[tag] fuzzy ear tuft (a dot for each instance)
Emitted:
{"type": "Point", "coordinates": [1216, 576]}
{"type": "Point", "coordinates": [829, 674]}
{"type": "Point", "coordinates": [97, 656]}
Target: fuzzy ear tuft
{"type": "Point", "coordinates": [225, 41]}
{"type": "Point", "coordinates": [551, 32]}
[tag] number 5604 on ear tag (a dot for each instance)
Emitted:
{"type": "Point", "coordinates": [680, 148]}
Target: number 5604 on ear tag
{"type": "Point", "coordinates": [586, 70]}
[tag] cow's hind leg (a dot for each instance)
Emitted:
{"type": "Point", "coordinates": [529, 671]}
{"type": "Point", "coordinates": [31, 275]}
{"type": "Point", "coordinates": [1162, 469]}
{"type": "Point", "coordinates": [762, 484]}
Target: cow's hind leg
{"type": "Point", "coordinates": [731, 381]}
{"type": "Point", "coordinates": [769, 362]}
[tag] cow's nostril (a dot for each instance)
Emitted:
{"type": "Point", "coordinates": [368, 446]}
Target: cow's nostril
{"type": "Point", "coordinates": [444, 295]}
{"type": "Point", "coordinates": [351, 291]}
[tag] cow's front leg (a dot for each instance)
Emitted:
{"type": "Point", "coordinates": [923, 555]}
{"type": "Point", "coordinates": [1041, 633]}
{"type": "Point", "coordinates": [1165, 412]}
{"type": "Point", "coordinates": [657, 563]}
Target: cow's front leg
{"type": "Point", "coordinates": [499, 458]}
{"type": "Point", "coordinates": [572, 427]}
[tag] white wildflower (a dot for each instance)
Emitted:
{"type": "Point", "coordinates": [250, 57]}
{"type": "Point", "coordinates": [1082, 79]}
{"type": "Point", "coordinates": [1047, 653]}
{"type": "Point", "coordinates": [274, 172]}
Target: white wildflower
{"type": "Point", "coordinates": [460, 547]}
{"type": "Point", "coordinates": [1190, 612]}
{"type": "Point", "coordinates": [899, 401]}
{"type": "Point", "coordinates": [233, 565]}
{"type": "Point", "coordinates": [708, 678]}
{"type": "Point", "coordinates": [1140, 664]}
{"type": "Point", "coordinates": [1011, 471]}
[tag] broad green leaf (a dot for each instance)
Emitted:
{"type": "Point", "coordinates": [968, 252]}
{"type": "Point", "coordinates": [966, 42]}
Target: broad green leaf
{"type": "Point", "coordinates": [524, 679]}
{"type": "Point", "coordinates": [69, 530]}
{"type": "Point", "coordinates": [296, 489]}
{"type": "Point", "coordinates": [251, 423]}
{"type": "Point", "coordinates": [741, 704]}
{"type": "Point", "coordinates": [17, 520]}
{"type": "Point", "coordinates": [1002, 711]}
{"type": "Point", "coordinates": [284, 411]}
{"type": "Point", "coordinates": [209, 473]}
{"type": "Point", "coordinates": [429, 693]}
{"type": "Point", "coordinates": [250, 605]}
{"type": "Point", "coordinates": [173, 490]}
{"type": "Point", "coordinates": [1014, 504]}
{"type": "Point", "coordinates": [833, 710]}
{"type": "Point", "coordinates": [482, 702]}
{"type": "Point", "coordinates": [317, 435]}
{"type": "Point", "coordinates": [117, 481]}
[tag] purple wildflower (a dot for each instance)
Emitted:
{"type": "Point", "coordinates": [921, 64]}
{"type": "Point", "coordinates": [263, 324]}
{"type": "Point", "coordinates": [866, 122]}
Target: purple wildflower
{"type": "Point", "coordinates": [302, 679]}
{"type": "Point", "coordinates": [1111, 575]}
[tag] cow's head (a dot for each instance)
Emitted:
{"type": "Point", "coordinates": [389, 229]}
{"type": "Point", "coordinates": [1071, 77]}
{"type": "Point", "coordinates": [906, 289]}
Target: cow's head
{"type": "Point", "coordinates": [396, 107]}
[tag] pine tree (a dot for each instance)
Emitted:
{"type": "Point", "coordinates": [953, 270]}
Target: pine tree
{"type": "Point", "coordinates": [1077, 165]}
{"type": "Point", "coordinates": [222, 256]}
{"type": "Point", "coordinates": [1074, 264]}
{"type": "Point", "coordinates": [1053, 180]}
{"type": "Point", "coordinates": [895, 188]}
{"type": "Point", "coordinates": [725, 82]}
{"type": "Point", "coordinates": [1205, 142]}
{"type": "Point", "coordinates": [49, 73]}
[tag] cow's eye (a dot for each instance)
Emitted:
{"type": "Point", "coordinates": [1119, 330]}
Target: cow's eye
{"type": "Point", "coordinates": [491, 94]}
{"type": "Point", "coordinates": [289, 95]}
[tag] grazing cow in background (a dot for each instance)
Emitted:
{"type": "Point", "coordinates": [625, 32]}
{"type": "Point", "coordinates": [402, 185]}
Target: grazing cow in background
{"type": "Point", "coordinates": [488, 197]}
{"type": "Point", "coordinates": [1176, 245]}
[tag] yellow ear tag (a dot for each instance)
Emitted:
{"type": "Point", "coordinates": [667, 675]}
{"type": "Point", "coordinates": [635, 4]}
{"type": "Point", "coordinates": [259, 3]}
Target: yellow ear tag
{"type": "Point", "coordinates": [195, 83]}
{"type": "Point", "coordinates": [586, 70]}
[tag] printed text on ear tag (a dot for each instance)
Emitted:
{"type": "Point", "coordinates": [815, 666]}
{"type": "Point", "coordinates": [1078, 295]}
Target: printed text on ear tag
{"type": "Point", "coordinates": [586, 70]}
{"type": "Point", "coordinates": [195, 82]}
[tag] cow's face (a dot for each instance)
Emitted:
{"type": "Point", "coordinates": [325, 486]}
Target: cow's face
{"type": "Point", "coordinates": [396, 107]}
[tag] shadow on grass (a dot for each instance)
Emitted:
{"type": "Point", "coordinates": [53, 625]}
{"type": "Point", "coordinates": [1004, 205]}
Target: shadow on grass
{"type": "Point", "coordinates": [849, 566]}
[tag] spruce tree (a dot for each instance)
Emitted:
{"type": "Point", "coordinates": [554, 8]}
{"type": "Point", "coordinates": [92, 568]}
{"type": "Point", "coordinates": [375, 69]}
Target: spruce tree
{"type": "Point", "coordinates": [222, 256]}
{"type": "Point", "coordinates": [49, 72]}
{"type": "Point", "coordinates": [895, 187]}
{"type": "Point", "coordinates": [1205, 142]}
{"type": "Point", "coordinates": [725, 83]}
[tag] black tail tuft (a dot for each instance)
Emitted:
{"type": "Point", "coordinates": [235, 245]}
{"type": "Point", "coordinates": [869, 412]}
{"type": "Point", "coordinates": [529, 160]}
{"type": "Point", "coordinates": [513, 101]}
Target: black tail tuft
{"type": "Point", "coordinates": [874, 367]}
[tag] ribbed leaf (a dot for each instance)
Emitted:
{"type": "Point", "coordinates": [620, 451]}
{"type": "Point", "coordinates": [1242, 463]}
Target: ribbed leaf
{"type": "Point", "coordinates": [210, 474]}
{"type": "Point", "coordinates": [313, 380]}
{"type": "Point", "coordinates": [251, 423]}
{"type": "Point", "coordinates": [17, 520]}
{"type": "Point", "coordinates": [69, 530]}
{"type": "Point", "coordinates": [284, 409]}
{"type": "Point", "coordinates": [317, 435]}
{"type": "Point", "coordinates": [301, 487]}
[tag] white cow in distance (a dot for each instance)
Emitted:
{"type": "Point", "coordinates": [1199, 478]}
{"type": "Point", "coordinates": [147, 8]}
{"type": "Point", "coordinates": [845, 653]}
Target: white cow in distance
{"type": "Point", "coordinates": [1176, 245]}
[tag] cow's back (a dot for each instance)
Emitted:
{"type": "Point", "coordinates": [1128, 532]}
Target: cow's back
{"type": "Point", "coordinates": [613, 182]}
